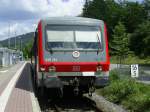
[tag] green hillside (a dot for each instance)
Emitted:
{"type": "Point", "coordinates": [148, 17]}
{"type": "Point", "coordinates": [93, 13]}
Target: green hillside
{"type": "Point", "coordinates": [24, 39]}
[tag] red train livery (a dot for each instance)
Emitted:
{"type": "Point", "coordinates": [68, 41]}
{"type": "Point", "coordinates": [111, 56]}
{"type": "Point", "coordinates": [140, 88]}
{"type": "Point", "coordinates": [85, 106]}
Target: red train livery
{"type": "Point", "coordinates": [71, 52]}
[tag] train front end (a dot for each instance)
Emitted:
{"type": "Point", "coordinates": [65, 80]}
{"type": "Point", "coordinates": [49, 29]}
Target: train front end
{"type": "Point", "coordinates": [72, 52]}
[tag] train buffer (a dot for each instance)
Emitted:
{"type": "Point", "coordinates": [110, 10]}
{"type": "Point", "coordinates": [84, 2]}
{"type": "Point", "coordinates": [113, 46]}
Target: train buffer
{"type": "Point", "coordinates": [16, 90]}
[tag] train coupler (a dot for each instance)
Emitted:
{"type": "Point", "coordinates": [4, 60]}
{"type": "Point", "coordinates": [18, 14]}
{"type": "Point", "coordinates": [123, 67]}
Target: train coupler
{"type": "Point", "coordinates": [76, 86]}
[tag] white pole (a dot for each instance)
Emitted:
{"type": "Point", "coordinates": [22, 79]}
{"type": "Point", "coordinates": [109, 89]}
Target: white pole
{"type": "Point", "coordinates": [8, 34]}
{"type": "Point", "coordinates": [15, 39]}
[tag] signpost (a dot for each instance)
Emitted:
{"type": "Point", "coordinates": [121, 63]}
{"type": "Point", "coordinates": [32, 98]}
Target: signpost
{"type": "Point", "coordinates": [134, 71]}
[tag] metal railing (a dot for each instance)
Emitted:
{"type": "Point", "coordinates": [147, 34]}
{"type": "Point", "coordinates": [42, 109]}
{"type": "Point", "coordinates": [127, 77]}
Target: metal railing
{"type": "Point", "coordinates": [9, 57]}
{"type": "Point", "coordinates": [125, 71]}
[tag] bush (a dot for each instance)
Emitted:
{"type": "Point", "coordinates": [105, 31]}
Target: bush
{"type": "Point", "coordinates": [137, 102]}
{"type": "Point", "coordinates": [127, 92]}
{"type": "Point", "coordinates": [114, 75]}
{"type": "Point", "coordinates": [119, 90]}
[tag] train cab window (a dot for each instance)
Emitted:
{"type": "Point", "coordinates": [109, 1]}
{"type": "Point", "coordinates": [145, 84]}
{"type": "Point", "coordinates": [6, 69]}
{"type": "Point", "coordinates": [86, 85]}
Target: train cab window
{"type": "Point", "coordinates": [88, 39]}
{"type": "Point", "coordinates": [73, 37]}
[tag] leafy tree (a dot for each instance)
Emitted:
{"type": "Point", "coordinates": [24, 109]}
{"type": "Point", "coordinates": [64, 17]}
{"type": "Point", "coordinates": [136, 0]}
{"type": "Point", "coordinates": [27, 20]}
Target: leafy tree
{"type": "Point", "coordinates": [26, 50]}
{"type": "Point", "coordinates": [106, 10]}
{"type": "Point", "coordinates": [140, 41]}
{"type": "Point", "coordinates": [146, 4]}
{"type": "Point", "coordinates": [120, 41]}
{"type": "Point", "coordinates": [95, 9]}
{"type": "Point", "coordinates": [130, 15]}
{"type": "Point", "coordinates": [113, 15]}
{"type": "Point", "coordinates": [135, 14]}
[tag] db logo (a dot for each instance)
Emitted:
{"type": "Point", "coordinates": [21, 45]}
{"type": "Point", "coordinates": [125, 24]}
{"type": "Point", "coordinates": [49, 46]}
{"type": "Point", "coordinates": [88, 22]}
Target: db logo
{"type": "Point", "coordinates": [76, 54]}
{"type": "Point", "coordinates": [76, 68]}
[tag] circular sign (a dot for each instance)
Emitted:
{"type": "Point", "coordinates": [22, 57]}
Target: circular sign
{"type": "Point", "coordinates": [76, 54]}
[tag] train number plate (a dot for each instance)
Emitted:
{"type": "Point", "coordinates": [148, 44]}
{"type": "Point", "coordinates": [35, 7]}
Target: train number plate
{"type": "Point", "coordinates": [76, 68]}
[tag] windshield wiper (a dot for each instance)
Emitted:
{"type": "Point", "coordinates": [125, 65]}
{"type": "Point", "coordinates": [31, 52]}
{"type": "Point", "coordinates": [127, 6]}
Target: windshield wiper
{"type": "Point", "coordinates": [50, 50]}
{"type": "Point", "coordinates": [99, 44]}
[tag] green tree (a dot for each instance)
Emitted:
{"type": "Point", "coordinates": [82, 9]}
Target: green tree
{"type": "Point", "coordinates": [140, 41]}
{"type": "Point", "coordinates": [115, 13]}
{"type": "Point", "coordinates": [26, 50]}
{"type": "Point", "coordinates": [135, 14]}
{"type": "Point", "coordinates": [106, 10]}
{"type": "Point", "coordinates": [146, 4]}
{"type": "Point", "coordinates": [120, 41]}
{"type": "Point", "coordinates": [132, 16]}
{"type": "Point", "coordinates": [95, 9]}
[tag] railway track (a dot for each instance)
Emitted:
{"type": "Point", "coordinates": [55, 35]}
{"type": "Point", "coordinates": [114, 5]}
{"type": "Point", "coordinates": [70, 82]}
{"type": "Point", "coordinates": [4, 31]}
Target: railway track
{"type": "Point", "coordinates": [66, 104]}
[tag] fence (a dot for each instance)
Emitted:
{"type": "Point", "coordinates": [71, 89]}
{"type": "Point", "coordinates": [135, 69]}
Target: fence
{"type": "Point", "coordinates": [9, 57]}
{"type": "Point", "coordinates": [125, 71]}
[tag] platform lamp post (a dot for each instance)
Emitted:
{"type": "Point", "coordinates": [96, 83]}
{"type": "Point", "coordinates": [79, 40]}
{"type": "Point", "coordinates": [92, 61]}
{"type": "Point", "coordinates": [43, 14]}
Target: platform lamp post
{"type": "Point", "coordinates": [15, 40]}
{"type": "Point", "coordinates": [20, 40]}
{"type": "Point", "coordinates": [9, 35]}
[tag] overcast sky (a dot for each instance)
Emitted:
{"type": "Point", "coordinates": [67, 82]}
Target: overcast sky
{"type": "Point", "coordinates": [22, 15]}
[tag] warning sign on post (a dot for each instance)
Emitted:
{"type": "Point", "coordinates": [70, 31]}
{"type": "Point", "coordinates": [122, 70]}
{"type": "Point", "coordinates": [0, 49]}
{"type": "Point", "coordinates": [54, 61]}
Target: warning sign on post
{"type": "Point", "coordinates": [134, 70]}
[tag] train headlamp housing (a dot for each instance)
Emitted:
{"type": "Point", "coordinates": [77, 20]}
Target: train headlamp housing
{"type": "Point", "coordinates": [99, 68]}
{"type": "Point", "coordinates": [52, 69]}
{"type": "Point", "coordinates": [42, 69]}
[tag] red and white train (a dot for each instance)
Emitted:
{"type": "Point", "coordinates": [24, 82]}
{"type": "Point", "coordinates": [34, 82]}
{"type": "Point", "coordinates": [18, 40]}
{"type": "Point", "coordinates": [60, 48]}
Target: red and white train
{"type": "Point", "coordinates": [71, 52]}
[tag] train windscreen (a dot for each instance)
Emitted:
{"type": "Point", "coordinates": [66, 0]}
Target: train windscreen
{"type": "Point", "coordinates": [73, 37]}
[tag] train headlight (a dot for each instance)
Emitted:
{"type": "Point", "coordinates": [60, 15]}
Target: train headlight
{"type": "Point", "coordinates": [42, 69]}
{"type": "Point", "coordinates": [99, 68]}
{"type": "Point", "coordinates": [52, 69]}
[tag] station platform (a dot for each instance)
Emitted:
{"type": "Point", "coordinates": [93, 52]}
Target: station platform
{"type": "Point", "coordinates": [16, 89]}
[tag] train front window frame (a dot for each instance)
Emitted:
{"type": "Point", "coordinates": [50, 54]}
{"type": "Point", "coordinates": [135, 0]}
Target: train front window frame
{"type": "Point", "coordinates": [74, 42]}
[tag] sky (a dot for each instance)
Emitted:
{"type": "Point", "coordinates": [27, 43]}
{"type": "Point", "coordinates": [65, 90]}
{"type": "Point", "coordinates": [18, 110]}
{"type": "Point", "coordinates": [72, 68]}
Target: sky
{"type": "Point", "coordinates": [21, 16]}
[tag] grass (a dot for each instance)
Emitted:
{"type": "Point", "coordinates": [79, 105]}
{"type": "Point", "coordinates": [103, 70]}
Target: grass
{"type": "Point", "coordinates": [133, 96]}
{"type": "Point", "coordinates": [131, 59]}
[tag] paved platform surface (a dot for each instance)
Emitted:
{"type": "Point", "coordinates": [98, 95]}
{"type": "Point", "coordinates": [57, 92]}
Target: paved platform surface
{"type": "Point", "coordinates": [17, 93]}
{"type": "Point", "coordinates": [6, 74]}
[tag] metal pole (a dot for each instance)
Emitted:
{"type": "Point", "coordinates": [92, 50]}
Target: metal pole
{"type": "Point", "coordinates": [15, 39]}
{"type": "Point", "coordinates": [20, 39]}
{"type": "Point", "coordinates": [21, 44]}
{"type": "Point", "coordinates": [9, 35]}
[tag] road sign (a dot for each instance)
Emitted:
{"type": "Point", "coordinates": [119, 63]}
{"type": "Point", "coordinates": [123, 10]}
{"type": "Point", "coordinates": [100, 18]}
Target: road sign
{"type": "Point", "coordinates": [134, 70]}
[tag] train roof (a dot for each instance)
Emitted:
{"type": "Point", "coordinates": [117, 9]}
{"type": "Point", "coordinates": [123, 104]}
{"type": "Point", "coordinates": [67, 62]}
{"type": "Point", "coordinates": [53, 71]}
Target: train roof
{"type": "Point", "coordinates": [71, 21]}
